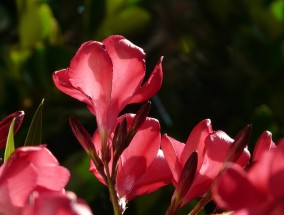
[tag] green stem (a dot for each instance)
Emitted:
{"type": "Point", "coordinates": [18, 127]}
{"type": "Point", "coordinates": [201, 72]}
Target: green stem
{"type": "Point", "coordinates": [112, 193]}
{"type": "Point", "coordinates": [175, 205]}
{"type": "Point", "coordinates": [200, 205]}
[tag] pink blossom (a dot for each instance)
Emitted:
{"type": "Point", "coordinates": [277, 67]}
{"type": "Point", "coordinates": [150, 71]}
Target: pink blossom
{"type": "Point", "coordinates": [27, 170]}
{"type": "Point", "coordinates": [212, 148]}
{"type": "Point", "coordinates": [5, 125]}
{"type": "Point", "coordinates": [107, 76]}
{"type": "Point", "coordinates": [56, 203]}
{"type": "Point", "coordinates": [259, 190]}
{"type": "Point", "coordinates": [142, 167]}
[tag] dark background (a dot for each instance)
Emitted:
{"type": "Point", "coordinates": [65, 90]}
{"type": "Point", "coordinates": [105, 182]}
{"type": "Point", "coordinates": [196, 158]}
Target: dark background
{"type": "Point", "coordinates": [223, 60]}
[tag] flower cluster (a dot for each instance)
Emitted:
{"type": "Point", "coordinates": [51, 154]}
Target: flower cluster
{"type": "Point", "coordinates": [129, 154]}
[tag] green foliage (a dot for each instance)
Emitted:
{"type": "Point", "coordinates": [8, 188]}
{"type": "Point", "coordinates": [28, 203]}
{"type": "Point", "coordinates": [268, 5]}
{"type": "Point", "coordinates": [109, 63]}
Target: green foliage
{"type": "Point", "coordinates": [277, 8]}
{"type": "Point", "coordinates": [10, 145]}
{"type": "Point", "coordinates": [36, 23]}
{"type": "Point", "coordinates": [34, 134]}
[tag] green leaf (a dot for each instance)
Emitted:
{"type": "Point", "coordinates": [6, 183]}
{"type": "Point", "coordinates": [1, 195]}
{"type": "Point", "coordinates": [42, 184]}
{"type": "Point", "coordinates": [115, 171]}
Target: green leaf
{"type": "Point", "coordinates": [10, 145]}
{"type": "Point", "coordinates": [36, 23]}
{"type": "Point", "coordinates": [134, 20]}
{"type": "Point", "coordinates": [277, 8]}
{"type": "Point", "coordinates": [35, 130]}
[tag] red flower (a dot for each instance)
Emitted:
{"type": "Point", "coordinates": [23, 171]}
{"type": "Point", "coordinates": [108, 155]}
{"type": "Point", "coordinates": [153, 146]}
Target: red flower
{"type": "Point", "coordinates": [212, 148]}
{"type": "Point", "coordinates": [56, 203]}
{"type": "Point", "coordinates": [107, 76]}
{"type": "Point", "coordinates": [142, 167]}
{"type": "Point", "coordinates": [5, 125]}
{"type": "Point", "coordinates": [260, 190]}
{"type": "Point", "coordinates": [27, 170]}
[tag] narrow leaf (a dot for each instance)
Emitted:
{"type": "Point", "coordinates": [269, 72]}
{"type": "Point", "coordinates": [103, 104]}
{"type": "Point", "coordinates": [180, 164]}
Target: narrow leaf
{"type": "Point", "coordinates": [10, 145]}
{"type": "Point", "coordinates": [35, 130]}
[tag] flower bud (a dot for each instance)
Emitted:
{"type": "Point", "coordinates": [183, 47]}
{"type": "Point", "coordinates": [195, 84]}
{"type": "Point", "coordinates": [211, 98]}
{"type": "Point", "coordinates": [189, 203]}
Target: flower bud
{"type": "Point", "coordinates": [86, 142]}
{"type": "Point", "coordinates": [187, 175]}
{"type": "Point", "coordinates": [241, 141]}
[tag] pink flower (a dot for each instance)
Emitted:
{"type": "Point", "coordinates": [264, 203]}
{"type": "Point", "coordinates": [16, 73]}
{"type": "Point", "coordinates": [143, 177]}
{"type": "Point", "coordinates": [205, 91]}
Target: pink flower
{"type": "Point", "coordinates": [259, 190]}
{"type": "Point", "coordinates": [5, 125]}
{"type": "Point", "coordinates": [56, 203]}
{"type": "Point", "coordinates": [142, 167]}
{"type": "Point", "coordinates": [27, 170]}
{"type": "Point", "coordinates": [107, 76]}
{"type": "Point", "coordinates": [212, 148]}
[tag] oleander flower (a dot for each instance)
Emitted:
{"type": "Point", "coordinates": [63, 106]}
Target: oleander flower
{"type": "Point", "coordinates": [27, 170]}
{"type": "Point", "coordinates": [56, 203]}
{"type": "Point", "coordinates": [5, 125]}
{"type": "Point", "coordinates": [259, 190]}
{"type": "Point", "coordinates": [212, 148]}
{"type": "Point", "coordinates": [142, 167]}
{"type": "Point", "coordinates": [107, 76]}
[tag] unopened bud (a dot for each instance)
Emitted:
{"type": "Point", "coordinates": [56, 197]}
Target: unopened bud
{"type": "Point", "coordinates": [138, 120]}
{"type": "Point", "coordinates": [241, 141]}
{"type": "Point", "coordinates": [119, 136]}
{"type": "Point", "coordinates": [5, 125]}
{"type": "Point", "coordinates": [187, 175]}
{"type": "Point", "coordinates": [86, 142]}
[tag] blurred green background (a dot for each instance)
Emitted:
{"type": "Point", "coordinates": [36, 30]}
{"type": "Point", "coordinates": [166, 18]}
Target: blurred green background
{"type": "Point", "coordinates": [223, 60]}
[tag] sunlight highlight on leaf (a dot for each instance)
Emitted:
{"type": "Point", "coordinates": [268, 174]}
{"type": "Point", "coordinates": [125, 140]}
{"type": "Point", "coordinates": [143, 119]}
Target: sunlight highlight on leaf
{"type": "Point", "coordinates": [10, 145]}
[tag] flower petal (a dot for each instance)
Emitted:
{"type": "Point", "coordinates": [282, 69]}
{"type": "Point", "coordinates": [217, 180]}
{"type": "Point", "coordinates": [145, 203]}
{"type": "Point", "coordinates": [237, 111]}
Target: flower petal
{"type": "Point", "coordinates": [264, 143]}
{"type": "Point", "coordinates": [277, 171]}
{"type": "Point", "coordinates": [90, 73]}
{"type": "Point", "coordinates": [18, 179]}
{"type": "Point", "coordinates": [139, 155]}
{"type": "Point", "coordinates": [233, 191]}
{"type": "Point", "coordinates": [157, 175]}
{"type": "Point", "coordinates": [128, 70]}
{"type": "Point", "coordinates": [61, 81]}
{"type": "Point", "coordinates": [196, 141]}
{"type": "Point", "coordinates": [172, 150]}
{"type": "Point", "coordinates": [151, 86]}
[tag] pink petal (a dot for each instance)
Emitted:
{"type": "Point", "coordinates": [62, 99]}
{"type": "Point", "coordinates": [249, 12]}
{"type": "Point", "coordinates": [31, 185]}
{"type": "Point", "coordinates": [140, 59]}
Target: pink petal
{"type": "Point", "coordinates": [50, 175]}
{"type": "Point", "coordinates": [218, 144]}
{"type": "Point", "coordinates": [172, 150]}
{"type": "Point", "coordinates": [264, 143]}
{"type": "Point", "coordinates": [233, 191]}
{"type": "Point", "coordinates": [151, 86]}
{"type": "Point", "coordinates": [128, 70]}
{"type": "Point", "coordinates": [157, 175]}
{"type": "Point", "coordinates": [57, 203]}
{"type": "Point", "coordinates": [90, 73]}
{"type": "Point", "coordinates": [277, 171]}
{"type": "Point", "coordinates": [53, 177]}
{"type": "Point", "coordinates": [62, 82]}
{"type": "Point", "coordinates": [138, 156]}
{"type": "Point", "coordinates": [39, 155]}
{"type": "Point", "coordinates": [17, 181]}
{"type": "Point", "coordinates": [196, 141]}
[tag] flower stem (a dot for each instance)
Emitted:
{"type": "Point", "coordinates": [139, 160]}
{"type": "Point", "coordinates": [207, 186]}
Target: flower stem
{"type": "Point", "coordinates": [200, 205]}
{"type": "Point", "coordinates": [174, 206]}
{"type": "Point", "coordinates": [112, 193]}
